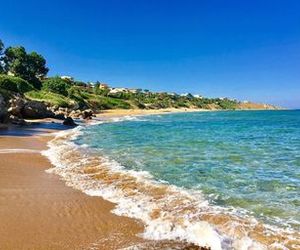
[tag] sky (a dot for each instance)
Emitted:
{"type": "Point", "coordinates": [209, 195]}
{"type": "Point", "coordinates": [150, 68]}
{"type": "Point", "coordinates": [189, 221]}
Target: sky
{"type": "Point", "coordinates": [249, 50]}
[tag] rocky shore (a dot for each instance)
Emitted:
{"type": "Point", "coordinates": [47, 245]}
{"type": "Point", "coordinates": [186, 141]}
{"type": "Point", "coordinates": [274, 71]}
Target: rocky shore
{"type": "Point", "coordinates": [17, 109]}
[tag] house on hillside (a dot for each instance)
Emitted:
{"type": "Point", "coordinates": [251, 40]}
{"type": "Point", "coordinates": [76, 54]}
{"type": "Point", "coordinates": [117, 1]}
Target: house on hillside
{"type": "Point", "coordinates": [118, 90]}
{"type": "Point", "coordinates": [198, 96]}
{"type": "Point", "coordinates": [103, 86]}
{"type": "Point", "coordinates": [68, 78]}
{"type": "Point", "coordinates": [134, 91]}
{"type": "Point", "coordinates": [188, 95]}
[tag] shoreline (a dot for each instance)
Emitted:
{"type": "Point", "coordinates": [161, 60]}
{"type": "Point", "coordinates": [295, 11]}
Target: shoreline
{"type": "Point", "coordinates": [124, 112]}
{"type": "Point", "coordinates": [73, 209]}
{"type": "Point", "coordinates": [38, 210]}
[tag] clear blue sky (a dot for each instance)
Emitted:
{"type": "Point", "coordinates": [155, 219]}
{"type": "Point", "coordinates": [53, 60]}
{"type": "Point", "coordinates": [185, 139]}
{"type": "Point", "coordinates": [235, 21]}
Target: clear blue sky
{"type": "Point", "coordinates": [242, 49]}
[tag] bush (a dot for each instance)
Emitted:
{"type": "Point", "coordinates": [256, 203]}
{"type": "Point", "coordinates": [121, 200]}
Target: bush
{"type": "Point", "coordinates": [14, 84]}
{"type": "Point", "coordinates": [56, 85]}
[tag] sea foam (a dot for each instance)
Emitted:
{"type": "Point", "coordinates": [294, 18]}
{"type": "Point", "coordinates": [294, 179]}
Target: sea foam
{"type": "Point", "coordinates": [168, 212]}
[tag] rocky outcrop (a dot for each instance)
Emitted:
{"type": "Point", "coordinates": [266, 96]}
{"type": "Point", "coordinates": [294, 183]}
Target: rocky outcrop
{"type": "Point", "coordinates": [16, 106]}
{"type": "Point", "coordinates": [59, 116]}
{"type": "Point", "coordinates": [87, 114]}
{"type": "Point", "coordinates": [84, 114]}
{"type": "Point", "coordinates": [21, 108]}
{"type": "Point", "coordinates": [3, 110]}
{"type": "Point", "coordinates": [75, 113]}
{"type": "Point", "coordinates": [61, 113]}
{"type": "Point", "coordinates": [36, 110]}
{"type": "Point", "coordinates": [17, 120]}
{"type": "Point", "coordinates": [69, 122]}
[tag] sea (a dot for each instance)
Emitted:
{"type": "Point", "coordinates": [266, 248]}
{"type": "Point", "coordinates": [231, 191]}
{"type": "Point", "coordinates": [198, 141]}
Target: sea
{"type": "Point", "coordinates": [223, 179]}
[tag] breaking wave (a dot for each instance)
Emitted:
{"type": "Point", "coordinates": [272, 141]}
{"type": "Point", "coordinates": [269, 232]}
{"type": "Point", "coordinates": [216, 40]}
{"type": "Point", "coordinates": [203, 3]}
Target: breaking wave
{"type": "Point", "coordinates": [167, 211]}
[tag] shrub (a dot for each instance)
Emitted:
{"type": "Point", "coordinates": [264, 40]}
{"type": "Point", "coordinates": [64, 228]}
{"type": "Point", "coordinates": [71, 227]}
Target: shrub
{"type": "Point", "coordinates": [14, 84]}
{"type": "Point", "coordinates": [56, 85]}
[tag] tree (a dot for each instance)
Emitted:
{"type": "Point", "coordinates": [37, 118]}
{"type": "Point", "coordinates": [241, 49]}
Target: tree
{"type": "Point", "coordinates": [36, 65]}
{"type": "Point", "coordinates": [31, 67]}
{"type": "Point", "coordinates": [1, 47]}
{"type": "Point", "coordinates": [15, 61]}
{"type": "Point", "coordinates": [1, 58]}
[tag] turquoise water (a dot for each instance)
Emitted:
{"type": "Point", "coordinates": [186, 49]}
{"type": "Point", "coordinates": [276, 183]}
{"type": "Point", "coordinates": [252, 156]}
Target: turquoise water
{"type": "Point", "coordinates": [247, 160]}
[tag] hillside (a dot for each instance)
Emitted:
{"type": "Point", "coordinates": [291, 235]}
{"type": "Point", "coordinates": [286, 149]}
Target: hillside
{"type": "Point", "coordinates": [27, 92]}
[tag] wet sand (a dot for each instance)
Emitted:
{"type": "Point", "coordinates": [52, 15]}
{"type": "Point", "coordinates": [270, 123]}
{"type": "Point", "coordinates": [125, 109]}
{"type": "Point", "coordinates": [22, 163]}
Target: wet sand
{"type": "Point", "coordinates": [37, 210]}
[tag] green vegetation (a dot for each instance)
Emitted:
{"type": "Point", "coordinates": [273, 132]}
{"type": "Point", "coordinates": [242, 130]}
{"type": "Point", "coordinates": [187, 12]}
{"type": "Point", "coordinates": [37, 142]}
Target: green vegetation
{"type": "Point", "coordinates": [56, 85]}
{"type": "Point", "coordinates": [14, 84]}
{"type": "Point", "coordinates": [26, 73]}
{"type": "Point", "coordinates": [52, 99]}
{"type": "Point", "coordinates": [16, 61]}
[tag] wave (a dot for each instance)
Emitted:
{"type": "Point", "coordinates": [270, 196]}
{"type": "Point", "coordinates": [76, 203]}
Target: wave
{"type": "Point", "coordinates": [168, 212]}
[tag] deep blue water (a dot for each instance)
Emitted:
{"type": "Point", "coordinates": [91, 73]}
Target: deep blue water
{"type": "Point", "coordinates": [248, 160]}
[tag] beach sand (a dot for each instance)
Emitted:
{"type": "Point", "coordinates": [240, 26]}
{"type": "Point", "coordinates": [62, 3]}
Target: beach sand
{"type": "Point", "coordinates": [38, 211]}
{"type": "Point", "coordinates": [124, 112]}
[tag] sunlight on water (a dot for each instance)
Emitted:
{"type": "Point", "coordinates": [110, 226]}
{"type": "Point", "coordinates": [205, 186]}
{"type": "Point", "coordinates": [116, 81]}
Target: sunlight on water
{"type": "Point", "coordinates": [243, 160]}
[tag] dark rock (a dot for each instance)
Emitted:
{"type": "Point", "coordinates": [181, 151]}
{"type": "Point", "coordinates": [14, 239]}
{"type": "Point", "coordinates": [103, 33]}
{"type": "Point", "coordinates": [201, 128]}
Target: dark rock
{"type": "Point", "coordinates": [17, 121]}
{"type": "Point", "coordinates": [87, 114]}
{"type": "Point", "coordinates": [3, 110]}
{"type": "Point", "coordinates": [69, 122]}
{"type": "Point", "coordinates": [59, 116]}
{"type": "Point", "coordinates": [16, 106]}
{"type": "Point", "coordinates": [36, 110]}
{"type": "Point", "coordinates": [3, 126]}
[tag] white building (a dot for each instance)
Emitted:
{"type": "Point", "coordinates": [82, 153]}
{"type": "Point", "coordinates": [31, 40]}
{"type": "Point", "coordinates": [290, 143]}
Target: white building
{"type": "Point", "coordinates": [68, 78]}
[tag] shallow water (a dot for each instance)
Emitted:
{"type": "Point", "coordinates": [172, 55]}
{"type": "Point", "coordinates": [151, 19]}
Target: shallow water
{"type": "Point", "coordinates": [229, 180]}
{"type": "Point", "coordinates": [248, 160]}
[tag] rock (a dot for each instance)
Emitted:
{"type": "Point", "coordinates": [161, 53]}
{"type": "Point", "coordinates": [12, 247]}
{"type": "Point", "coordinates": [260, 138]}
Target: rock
{"type": "Point", "coordinates": [3, 126]}
{"type": "Point", "coordinates": [36, 110]}
{"type": "Point", "coordinates": [59, 116]}
{"type": "Point", "coordinates": [87, 114]}
{"type": "Point", "coordinates": [69, 122]}
{"type": "Point", "coordinates": [16, 106]}
{"type": "Point", "coordinates": [63, 110]}
{"type": "Point", "coordinates": [3, 110]}
{"type": "Point", "coordinates": [75, 113]}
{"type": "Point", "coordinates": [17, 121]}
{"type": "Point", "coordinates": [14, 111]}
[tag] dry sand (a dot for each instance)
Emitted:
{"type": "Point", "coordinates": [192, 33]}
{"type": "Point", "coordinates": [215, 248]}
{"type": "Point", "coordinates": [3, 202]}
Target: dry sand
{"type": "Point", "coordinates": [124, 112]}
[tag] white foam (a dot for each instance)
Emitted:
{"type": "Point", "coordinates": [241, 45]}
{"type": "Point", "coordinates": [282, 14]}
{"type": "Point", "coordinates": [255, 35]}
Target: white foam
{"type": "Point", "coordinates": [171, 224]}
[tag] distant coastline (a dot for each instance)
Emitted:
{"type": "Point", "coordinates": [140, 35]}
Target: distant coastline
{"type": "Point", "coordinates": [26, 92]}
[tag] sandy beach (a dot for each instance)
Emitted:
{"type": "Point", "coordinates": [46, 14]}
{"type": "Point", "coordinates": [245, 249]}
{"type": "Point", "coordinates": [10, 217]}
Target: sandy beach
{"type": "Point", "coordinates": [38, 211]}
{"type": "Point", "coordinates": [124, 112]}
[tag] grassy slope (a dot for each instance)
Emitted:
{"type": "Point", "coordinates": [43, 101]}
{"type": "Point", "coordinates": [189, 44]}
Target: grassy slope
{"type": "Point", "coordinates": [82, 97]}
{"type": "Point", "coordinates": [82, 100]}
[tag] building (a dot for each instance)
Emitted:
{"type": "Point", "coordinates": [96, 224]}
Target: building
{"type": "Point", "coordinates": [198, 96]}
{"type": "Point", "coordinates": [188, 95]}
{"type": "Point", "coordinates": [118, 90]}
{"type": "Point", "coordinates": [103, 86]}
{"type": "Point", "coordinates": [68, 78]}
